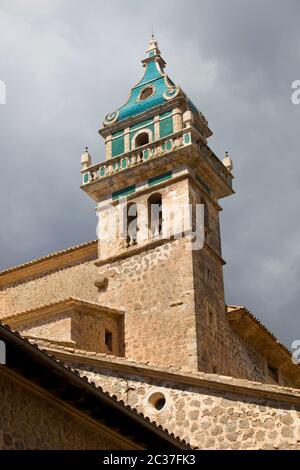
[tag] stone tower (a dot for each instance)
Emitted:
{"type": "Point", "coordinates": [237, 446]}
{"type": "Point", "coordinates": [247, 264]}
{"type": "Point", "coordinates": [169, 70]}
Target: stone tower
{"type": "Point", "coordinates": [157, 162]}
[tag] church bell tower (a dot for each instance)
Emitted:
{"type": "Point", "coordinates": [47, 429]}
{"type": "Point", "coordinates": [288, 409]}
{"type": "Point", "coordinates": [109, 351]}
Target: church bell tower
{"type": "Point", "coordinates": [157, 161]}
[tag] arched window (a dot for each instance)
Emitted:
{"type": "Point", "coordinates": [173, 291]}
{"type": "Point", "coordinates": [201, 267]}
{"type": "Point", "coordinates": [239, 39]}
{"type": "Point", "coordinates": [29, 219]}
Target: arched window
{"type": "Point", "coordinates": [142, 139]}
{"type": "Point", "coordinates": [130, 220]}
{"type": "Point", "coordinates": [155, 215]}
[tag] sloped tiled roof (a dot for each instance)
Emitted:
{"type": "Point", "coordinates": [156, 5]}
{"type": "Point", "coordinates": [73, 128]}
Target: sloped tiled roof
{"type": "Point", "coordinates": [171, 373]}
{"type": "Point", "coordinates": [48, 257]}
{"type": "Point", "coordinates": [112, 412]}
{"type": "Point", "coordinates": [263, 340]}
{"type": "Point", "coordinates": [255, 319]}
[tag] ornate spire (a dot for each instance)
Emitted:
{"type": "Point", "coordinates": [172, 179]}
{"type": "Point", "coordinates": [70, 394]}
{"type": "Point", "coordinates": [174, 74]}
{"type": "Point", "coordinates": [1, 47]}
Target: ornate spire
{"type": "Point", "coordinates": [155, 88]}
{"type": "Point", "coordinates": [153, 54]}
{"type": "Point", "coordinates": [153, 46]}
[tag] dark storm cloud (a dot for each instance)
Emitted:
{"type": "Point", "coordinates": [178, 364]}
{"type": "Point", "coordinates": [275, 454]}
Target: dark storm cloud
{"type": "Point", "coordinates": [67, 63]}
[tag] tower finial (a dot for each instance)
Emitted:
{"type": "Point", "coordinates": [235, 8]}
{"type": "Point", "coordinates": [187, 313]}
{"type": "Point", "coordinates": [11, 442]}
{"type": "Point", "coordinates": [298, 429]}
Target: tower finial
{"type": "Point", "coordinates": [153, 52]}
{"type": "Point", "coordinates": [227, 161]}
{"type": "Point", "coordinates": [86, 159]}
{"type": "Point", "coordinates": [153, 46]}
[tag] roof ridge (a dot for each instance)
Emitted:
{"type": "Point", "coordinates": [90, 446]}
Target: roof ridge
{"type": "Point", "coordinates": [47, 257]}
{"type": "Point", "coordinates": [199, 374]}
{"type": "Point", "coordinates": [260, 323]}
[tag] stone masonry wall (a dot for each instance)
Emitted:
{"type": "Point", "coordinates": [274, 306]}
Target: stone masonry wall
{"type": "Point", "coordinates": [72, 281]}
{"type": "Point", "coordinates": [173, 298]}
{"type": "Point", "coordinates": [31, 422]}
{"type": "Point", "coordinates": [57, 328]}
{"type": "Point", "coordinates": [88, 331]}
{"type": "Point", "coordinates": [206, 418]}
{"type": "Point", "coordinates": [220, 349]}
{"type": "Point", "coordinates": [155, 288]}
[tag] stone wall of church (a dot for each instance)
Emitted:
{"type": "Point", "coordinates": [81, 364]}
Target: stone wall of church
{"type": "Point", "coordinates": [207, 418]}
{"type": "Point", "coordinates": [83, 330]}
{"type": "Point", "coordinates": [88, 331]}
{"type": "Point", "coordinates": [155, 288]}
{"type": "Point", "coordinates": [57, 329]}
{"type": "Point", "coordinates": [72, 281]}
{"type": "Point", "coordinates": [173, 297]}
{"type": "Point", "coordinates": [31, 422]}
{"type": "Point", "coordinates": [220, 349]}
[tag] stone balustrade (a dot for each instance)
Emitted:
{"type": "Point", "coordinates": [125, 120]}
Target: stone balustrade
{"type": "Point", "coordinates": [213, 160]}
{"type": "Point", "coordinates": [152, 150]}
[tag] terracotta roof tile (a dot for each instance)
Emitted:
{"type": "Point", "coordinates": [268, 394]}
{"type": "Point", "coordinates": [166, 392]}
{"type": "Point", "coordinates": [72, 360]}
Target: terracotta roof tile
{"type": "Point", "coordinates": [75, 371]}
{"type": "Point", "coordinates": [233, 308]}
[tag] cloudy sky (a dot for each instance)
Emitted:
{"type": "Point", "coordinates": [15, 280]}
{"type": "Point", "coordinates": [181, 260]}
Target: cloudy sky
{"type": "Point", "coordinates": [67, 63]}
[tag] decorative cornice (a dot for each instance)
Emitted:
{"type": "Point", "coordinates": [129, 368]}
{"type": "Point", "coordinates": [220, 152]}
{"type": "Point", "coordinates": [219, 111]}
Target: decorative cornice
{"type": "Point", "coordinates": [136, 249]}
{"type": "Point", "coordinates": [177, 375]}
{"type": "Point", "coordinates": [101, 178]}
{"type": "Point", "coordinates": [147, 114]}
{"type": "Point", "coordinates": [71, 304]}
